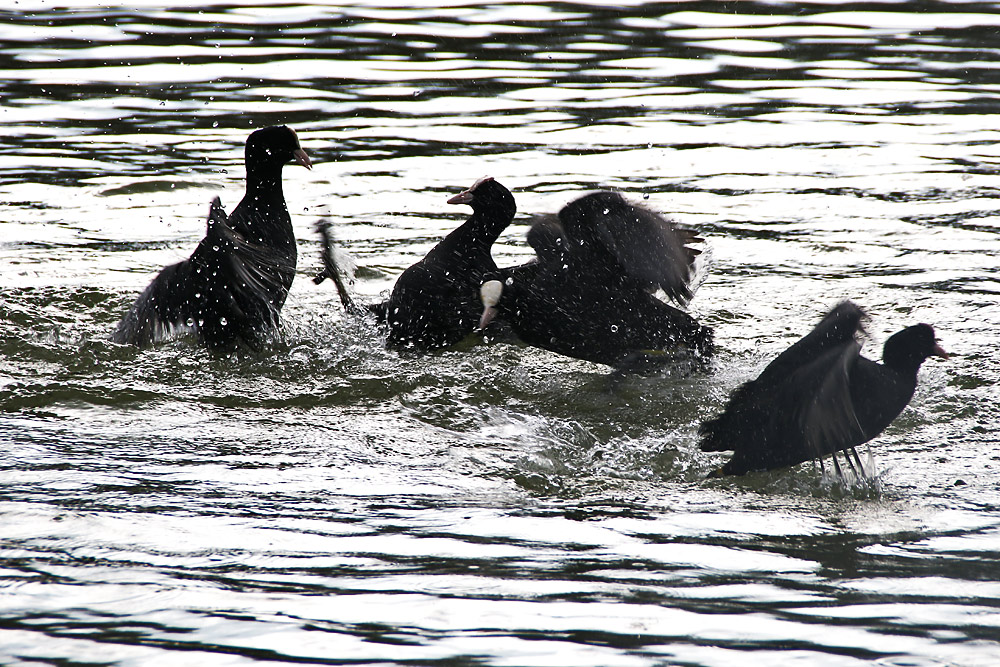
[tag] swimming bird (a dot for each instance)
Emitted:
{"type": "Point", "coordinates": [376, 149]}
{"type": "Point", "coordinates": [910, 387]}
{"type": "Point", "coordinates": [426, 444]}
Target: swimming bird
{"type": "Point", "coordinates": [588, 293]}
{"type": "Point", "coordinates": [435, 302]}
{"type": "Point", "coordinates": [819, 397]}
{"type": "Point", "coordinates": [232, 288]}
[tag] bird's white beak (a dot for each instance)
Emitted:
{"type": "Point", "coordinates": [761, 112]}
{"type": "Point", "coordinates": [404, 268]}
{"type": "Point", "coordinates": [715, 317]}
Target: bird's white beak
{"type": "Point", "coordinates": [489, 293]}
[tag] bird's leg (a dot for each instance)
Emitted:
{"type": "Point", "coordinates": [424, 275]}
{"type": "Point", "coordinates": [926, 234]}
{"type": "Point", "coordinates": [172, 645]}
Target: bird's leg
{"type": "Point", "coordinates": [836, 466]}
{"type": "Point", "coordinates": [857, 458]}
{"type": "Point", "coordinates": [851, 464]}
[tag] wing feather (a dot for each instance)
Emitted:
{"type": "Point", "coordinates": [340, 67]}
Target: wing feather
{"type": "Point", "coordinates": [652, 249]}
{"type": "Point", "coordinates": [822, 420]}
{"type": "Point", "coordinates": [647, 247]}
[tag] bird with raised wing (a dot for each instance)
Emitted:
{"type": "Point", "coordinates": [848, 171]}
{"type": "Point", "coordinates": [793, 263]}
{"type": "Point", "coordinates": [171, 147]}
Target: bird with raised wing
{"type": "Point", "coordinates": [232, 288]}
{"type": "Point", "coordinates": [819, 397]}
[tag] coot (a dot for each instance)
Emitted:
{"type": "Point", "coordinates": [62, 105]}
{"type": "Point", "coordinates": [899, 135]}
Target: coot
{"type": "Point", "coordinates": [435, 302]}
{"type": "Point", "coordinates": [819, 397]}
{"type": "Point", "coordinates": [233, 286]}
{"type": "Point", "coordinates": [588, 293]}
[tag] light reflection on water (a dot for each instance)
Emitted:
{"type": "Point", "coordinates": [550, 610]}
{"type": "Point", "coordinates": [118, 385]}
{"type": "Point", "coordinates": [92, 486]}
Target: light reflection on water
{"type": "Point", "coordinates": [331, 501]}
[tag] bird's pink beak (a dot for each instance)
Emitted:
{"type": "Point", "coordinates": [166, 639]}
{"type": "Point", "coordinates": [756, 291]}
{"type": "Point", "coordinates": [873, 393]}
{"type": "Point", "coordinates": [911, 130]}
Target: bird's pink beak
{"type": "Point", "coordinates": [464, 197]}
{"type": "Point", "coordinates": [301, 158]}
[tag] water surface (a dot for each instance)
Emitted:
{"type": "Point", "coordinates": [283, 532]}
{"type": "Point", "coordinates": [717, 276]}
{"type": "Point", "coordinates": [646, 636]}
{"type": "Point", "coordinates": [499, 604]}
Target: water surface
{"type": "Point", "coordinates": [331, 502]}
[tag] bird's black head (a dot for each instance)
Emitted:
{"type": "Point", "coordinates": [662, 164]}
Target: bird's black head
{"type": "Point", "coordinates": [548, 239]}
{"type": "Point", "coordinates": [274, 147]}
{"type": "Point", "coordinates": [907, 349]}
{"type": "Point", "coordinates": [487, 195]}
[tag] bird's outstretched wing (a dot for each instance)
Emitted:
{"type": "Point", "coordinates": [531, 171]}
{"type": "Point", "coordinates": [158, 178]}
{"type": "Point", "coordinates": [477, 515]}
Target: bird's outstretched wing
{"type": "Point", "coordinates": [167, 306]}
{"type": "Point", "coordinates": [649, 248]}
{"type": "Point", "coordinates": [253, 276]}
{"type": "Point", "coordinates": [814, 413]}
{"type": "Point", "coordinates": [839, 326]}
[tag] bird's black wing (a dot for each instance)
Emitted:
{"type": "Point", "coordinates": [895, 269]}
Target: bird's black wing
{"type": "Point", "coordinates": [254, 279]}
{"type": "Point", "coordinates": [169, 304]}
{"type": "Point", "coordinates": [839, 326]}
{"type": "Point", "coordinates": [649, 248]}
{"type": "Point", "coordinates": [652, 250]}
{"type": "Point", "coordinates": [831, 423]}
{"type": "Point", "coordinates": [814, 414]}
{"type": "Point", "coordinates": [156, 313]}
{"type": "Point", "coordinates": [809, 414]}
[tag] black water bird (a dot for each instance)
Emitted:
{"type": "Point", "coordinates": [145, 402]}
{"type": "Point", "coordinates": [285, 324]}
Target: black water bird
{"type": "Point", "coordinates": [819, 397]}
{"type": "Point", "coordinates": [233, 286]}
{"type": "Point", "coordinates": [589, 292]}
{"type": "Point", "coordinates": [435, 302]}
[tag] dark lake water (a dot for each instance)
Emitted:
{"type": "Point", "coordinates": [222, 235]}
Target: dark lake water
{"type": "Point", "coordinates": [330, 502]}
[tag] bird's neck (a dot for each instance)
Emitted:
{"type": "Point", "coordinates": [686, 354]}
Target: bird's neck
{"type": "Point", "coordinates": [901, 359]}
{"type": "Point", "coordinates": [906, 368]}
{"type": "Point", "coordinates": [262, 216]}
{"type": "Point", "coordinates": [265, 180]}
{"type": "Point", "coordinates": [478, 233]}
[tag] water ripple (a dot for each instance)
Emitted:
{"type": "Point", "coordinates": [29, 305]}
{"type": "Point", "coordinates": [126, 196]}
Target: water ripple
{"type": "Point", "coordinates": [328, 501]}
